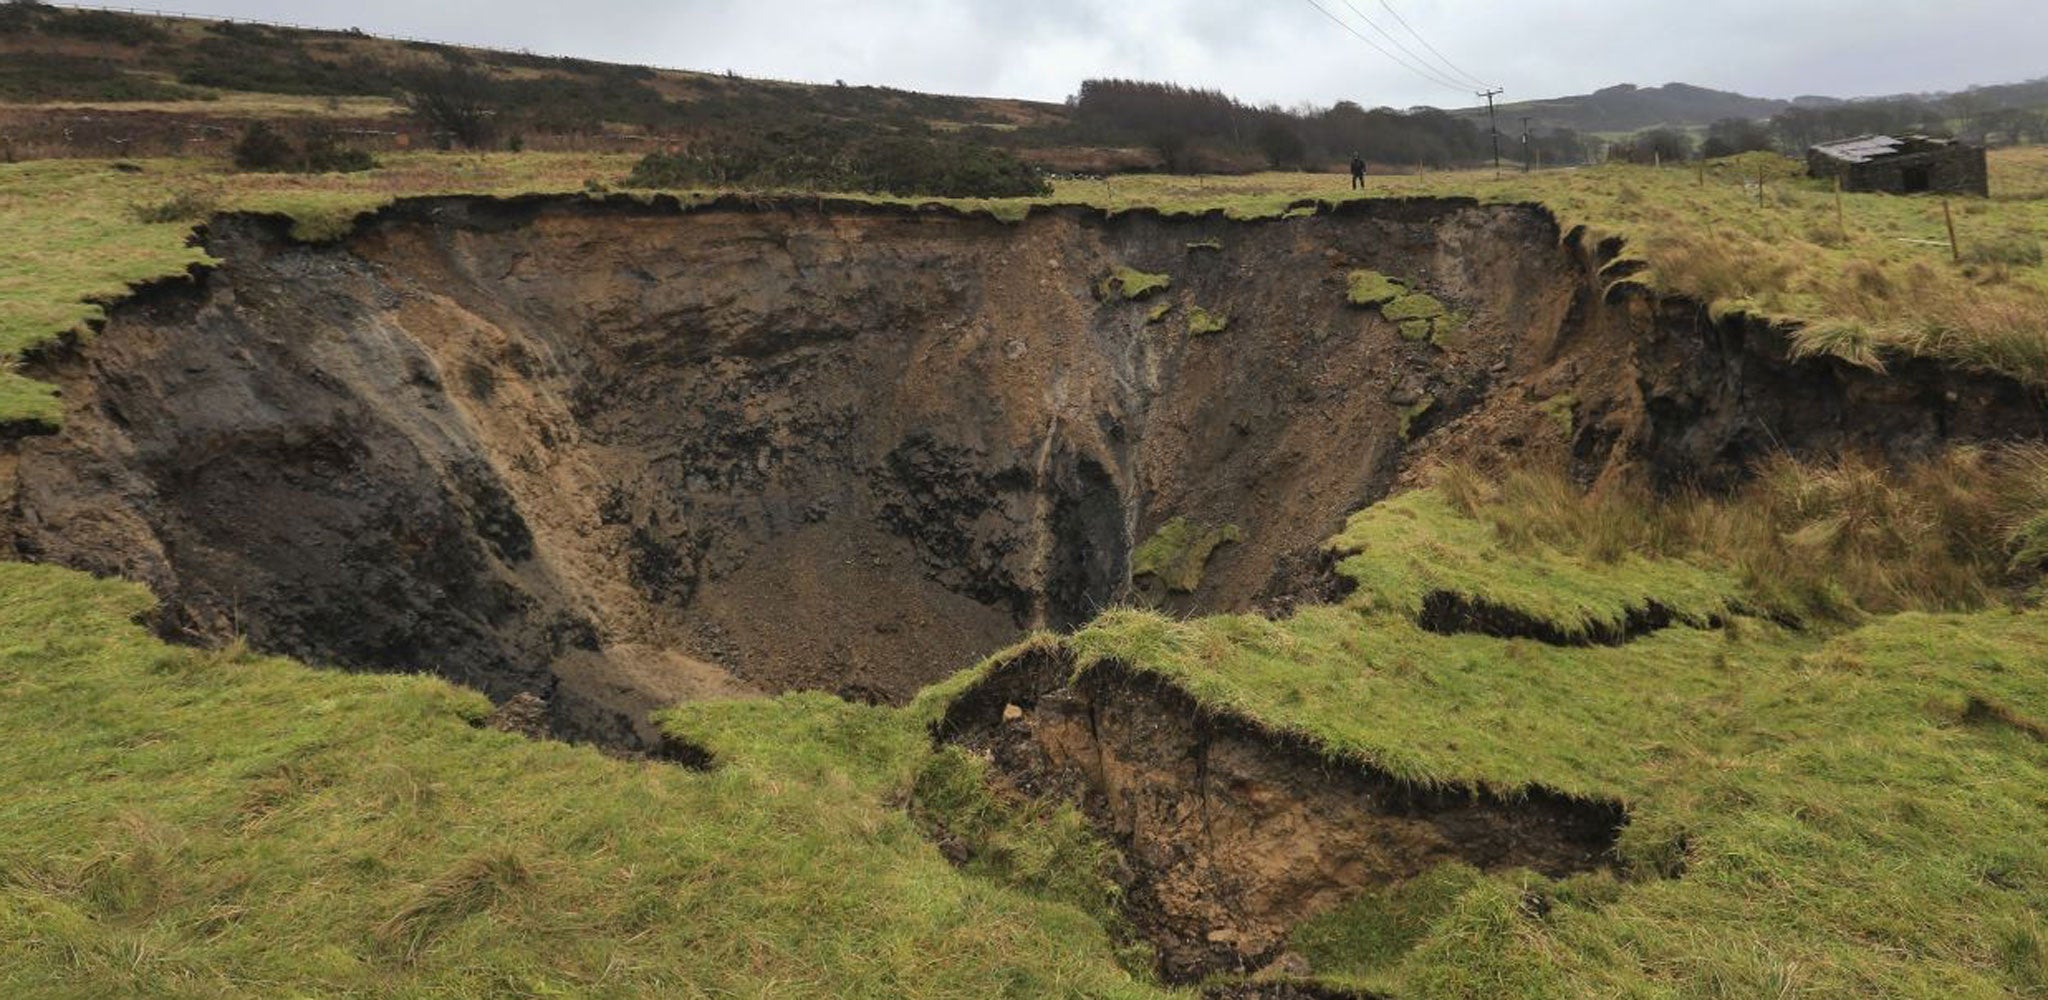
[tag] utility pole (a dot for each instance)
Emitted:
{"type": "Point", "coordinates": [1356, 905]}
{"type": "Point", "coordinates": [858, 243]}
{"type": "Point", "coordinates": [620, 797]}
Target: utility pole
{"type": "Point", "coordinates": [1528, 153]}
{"type": "Point", "coordinates": [1491, 126]}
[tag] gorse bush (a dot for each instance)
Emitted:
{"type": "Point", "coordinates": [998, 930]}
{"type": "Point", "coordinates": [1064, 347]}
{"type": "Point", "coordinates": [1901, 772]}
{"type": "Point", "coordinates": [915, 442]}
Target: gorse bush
{"type": "Point", "coordinates": [896, 165]}
{"type": "Point", "coordinates": [189, 205]}
{"type": "Point", "coordinates": [264, 149]}
{"type": "Point", "coordinates": [324, 153]}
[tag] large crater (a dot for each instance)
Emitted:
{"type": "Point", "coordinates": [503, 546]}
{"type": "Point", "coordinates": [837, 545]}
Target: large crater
{"type": "Point", "coordinates": [619, 454]}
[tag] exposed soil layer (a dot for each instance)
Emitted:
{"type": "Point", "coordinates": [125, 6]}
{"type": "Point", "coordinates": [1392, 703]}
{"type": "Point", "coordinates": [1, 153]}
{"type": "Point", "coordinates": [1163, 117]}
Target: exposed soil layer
{"type": "Point", "coordinates": [616, 453]}
{"type": "Point", "coordinates": [1232, 834]}
{"type": "Point", "coordinates": [1979, 712]}
{"type": "Point", "coordinates": [1283, 990]}
{"type": "Point", "coordinates": [1449, 613]}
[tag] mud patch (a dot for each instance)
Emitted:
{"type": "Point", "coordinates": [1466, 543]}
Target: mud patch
{"type": "Point", "coordinates": [1980, 712]}
{"type": "Point", "coordinates": [533, 717]}
{"type": "Point", "coordinates": [1449, 613]}
{"type": "Point", "coordinates": [1305, 579]}
{"type": "Point", "coordinates": [1232, 834]}
{"type": "Point", "coordinates": [1285, 991]}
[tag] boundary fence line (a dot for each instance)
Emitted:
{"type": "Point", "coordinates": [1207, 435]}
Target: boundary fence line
{"type": "Point", "coordinates": [472, 46]}
{"type": "Point", "coordinates": [222, 18]}
{"type": "Point", "coordinates": [351, 32]}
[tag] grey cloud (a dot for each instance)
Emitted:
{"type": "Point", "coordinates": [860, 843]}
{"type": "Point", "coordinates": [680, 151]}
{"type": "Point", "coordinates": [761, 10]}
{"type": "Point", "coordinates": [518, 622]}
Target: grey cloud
{"type": "Point", "coordinates": [1279, 51]}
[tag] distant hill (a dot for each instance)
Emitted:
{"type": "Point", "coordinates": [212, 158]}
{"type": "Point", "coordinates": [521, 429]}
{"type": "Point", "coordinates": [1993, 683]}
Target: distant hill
{"type": "Point", "coordinates": [88, 82]}
{"type": "Point", "coordinates": [1629, 108]}
{"type": "Point", "coordinates": [102, 83]}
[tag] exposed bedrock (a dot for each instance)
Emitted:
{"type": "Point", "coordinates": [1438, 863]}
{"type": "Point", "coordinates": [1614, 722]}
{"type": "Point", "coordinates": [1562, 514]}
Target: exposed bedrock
{"type": "Point", "coordinates": [619, 454]}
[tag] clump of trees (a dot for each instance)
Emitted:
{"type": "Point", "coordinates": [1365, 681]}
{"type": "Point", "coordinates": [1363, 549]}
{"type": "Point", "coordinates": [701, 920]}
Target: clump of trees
{"type": "Point", "coordinates": [1194, 130]}
{"type": "Point", "coordinates": [459, 104]}
{"type": "Point", "coordinates": [900, 164]}
{"type": "Point", "coordinates": [1657, 145]}
{"type": "Point", "coordinates": [265, 149]}
{"type": "Point", "coordinates": [1731, 136]}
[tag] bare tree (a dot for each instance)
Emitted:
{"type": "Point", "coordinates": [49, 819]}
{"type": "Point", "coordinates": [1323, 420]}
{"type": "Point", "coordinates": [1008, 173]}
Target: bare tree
{"type": "Point", "coordinates": [456, 104]}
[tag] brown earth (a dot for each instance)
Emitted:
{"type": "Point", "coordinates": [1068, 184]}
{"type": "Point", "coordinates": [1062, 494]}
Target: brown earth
{"type": "Point", "coordinates": [614, 453]}
{"type": "Point", "coordinates": [1232, 834]}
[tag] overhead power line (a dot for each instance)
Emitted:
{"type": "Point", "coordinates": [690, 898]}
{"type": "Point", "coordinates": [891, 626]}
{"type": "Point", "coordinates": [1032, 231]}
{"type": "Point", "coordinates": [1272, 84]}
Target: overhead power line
{"type": "Point", "coordinates": [1434, 78]}
{"type": "Point", "coordinates": [1456, 69]}
{"type": "Point", "coordinates": [1413, 60]}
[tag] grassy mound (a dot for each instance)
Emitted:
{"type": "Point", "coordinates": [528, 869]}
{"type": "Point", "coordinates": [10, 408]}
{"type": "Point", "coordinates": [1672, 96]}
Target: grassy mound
{"type": "Point", "coordinates": [1128, 284]}
{"type": "Point", "coordinates": [1837, 815]}
{"type": "Point", "coordinates": [1854, 815]}
{"type": "Point", "coordinates": [187, 824]}
{"type": "Point", "coordinates": [1177, 554]}
{"type": "Point", "coordinates": [1832, 815]}
{"type": "Point", "coordinates": [1402, 551]}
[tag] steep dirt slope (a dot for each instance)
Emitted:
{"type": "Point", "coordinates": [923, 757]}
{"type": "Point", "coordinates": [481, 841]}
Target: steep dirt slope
{"type": "Point", "coordinates": [617, 453]}
{"type": "Point", "coordinates": [1230, 833]}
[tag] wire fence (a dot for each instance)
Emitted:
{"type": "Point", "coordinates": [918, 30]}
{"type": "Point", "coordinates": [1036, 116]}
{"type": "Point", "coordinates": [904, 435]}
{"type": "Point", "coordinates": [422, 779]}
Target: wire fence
{"type": "Point", "coordinates": [328, 29]}
{"type": "Point", "coordinates": [225, 19]}
{"type": "Point", "coordinates": [411, 39]}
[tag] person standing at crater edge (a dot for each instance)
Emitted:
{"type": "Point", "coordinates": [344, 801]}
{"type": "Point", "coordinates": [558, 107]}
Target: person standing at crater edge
{"type": "Point", "coordinates": [1357, 171]}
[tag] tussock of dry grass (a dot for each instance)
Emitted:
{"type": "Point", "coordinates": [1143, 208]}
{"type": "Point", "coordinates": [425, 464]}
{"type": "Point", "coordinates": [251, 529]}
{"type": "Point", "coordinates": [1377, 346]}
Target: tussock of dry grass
{"type": "Point", "coordinates": [1836, 539]}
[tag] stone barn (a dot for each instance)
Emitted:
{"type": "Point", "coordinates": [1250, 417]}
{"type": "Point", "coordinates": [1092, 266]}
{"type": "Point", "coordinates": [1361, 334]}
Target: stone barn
{"type": "Point", "coordinates": [1909, 165]}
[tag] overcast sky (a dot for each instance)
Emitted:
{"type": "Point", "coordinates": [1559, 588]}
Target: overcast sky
{"type": "Point", "coordinates": [1281, 51]}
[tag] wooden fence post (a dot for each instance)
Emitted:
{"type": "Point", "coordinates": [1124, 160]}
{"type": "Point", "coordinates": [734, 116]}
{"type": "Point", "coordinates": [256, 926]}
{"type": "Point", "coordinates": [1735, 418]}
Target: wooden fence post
{"type": "Point", "coordinates": [1955, 249]}
{"type": "Point", "coordinates": [1841, 214]}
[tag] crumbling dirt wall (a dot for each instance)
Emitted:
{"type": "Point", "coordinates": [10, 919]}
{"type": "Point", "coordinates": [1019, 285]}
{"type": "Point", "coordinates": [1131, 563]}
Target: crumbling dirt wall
{"type": "Point", "coordinates": [849, 449]}
{"type": "Point", "coordinates": [1231, 834]}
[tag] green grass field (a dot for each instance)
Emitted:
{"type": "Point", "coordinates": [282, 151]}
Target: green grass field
{"type": "Point", "coordinates": [1849, 813]}
{"type": "Point", "coordinates": [176, 823]}
{"type": "Point", "coordinates": [1852, 808]}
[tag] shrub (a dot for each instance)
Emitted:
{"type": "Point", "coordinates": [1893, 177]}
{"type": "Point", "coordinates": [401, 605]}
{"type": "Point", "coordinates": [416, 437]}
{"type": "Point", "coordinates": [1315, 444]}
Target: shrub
{"type": "Point", "coordinates": [264, 148]}
{"type": "Point", "coordinates": [250, 58]}
{"type": "Point", "coordinates": [32, 77]}
{"type": "Point", "coordinates": [901, 165]}
{"type": "Point", "coordinates": [189, 205]}
{"type": "Point", "coordinates": [2013, 250]}
{"type": "Point", "coordinates": [325, 154]}
{"type": "Point", "coordinates": [1831, 539]}
{"type": "Point", "coordinates": [103, 26]}
{"type": "Point", "coordinates": [457, 103]}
